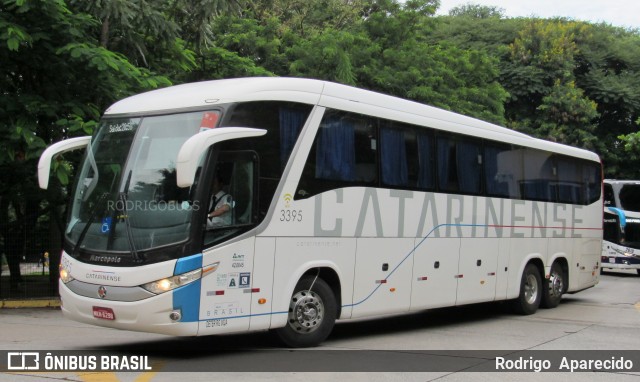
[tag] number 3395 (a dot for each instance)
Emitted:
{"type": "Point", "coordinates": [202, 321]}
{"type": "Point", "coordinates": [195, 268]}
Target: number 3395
{"type": "Point", "coordinates": [290, 215]}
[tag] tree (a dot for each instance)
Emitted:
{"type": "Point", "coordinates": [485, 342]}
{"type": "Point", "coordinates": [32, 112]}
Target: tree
{"type": "Point", "coordinates": [477, 11]}
{"type": "Point", "coordinates": [55, 80]}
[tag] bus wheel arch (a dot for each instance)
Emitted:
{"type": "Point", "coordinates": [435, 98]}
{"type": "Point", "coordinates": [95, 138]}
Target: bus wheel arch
{"type": "Point", "coordinates": [313, 309]}
{"type": "Point", "coordinates": [556, 285]}
{"type": "Point", "coordinates": [531, 284]}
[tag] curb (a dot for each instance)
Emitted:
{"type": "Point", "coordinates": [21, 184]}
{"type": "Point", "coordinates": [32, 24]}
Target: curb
{"type": "Point", "coordinates": [40, 303]}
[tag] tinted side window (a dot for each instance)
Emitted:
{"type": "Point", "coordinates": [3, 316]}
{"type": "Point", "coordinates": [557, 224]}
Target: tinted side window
{"type": "Point", "coordinates": [343, 154]}
{"type": "Point", "coordinates": [570, 188]}
{"type": "Point", "coordinates": [592, 180]}
{"type": "Point", "coordinates": [459, 165]}
{"type": "Point", "coordinates": [502, 169]}
{"type": "Point", "coordinates": [540, 177]}
{"type": "Point", "coordinates": [283, 122]}
{"type": "Point", "coordinates": [406, 156]}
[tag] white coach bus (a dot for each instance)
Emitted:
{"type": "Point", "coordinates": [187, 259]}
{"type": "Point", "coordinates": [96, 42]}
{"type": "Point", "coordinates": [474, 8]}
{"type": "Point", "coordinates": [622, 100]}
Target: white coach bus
{"type": "Point", "coordinates": [621, 236]}
{"type": "Point", "coordinates": [331, 202]}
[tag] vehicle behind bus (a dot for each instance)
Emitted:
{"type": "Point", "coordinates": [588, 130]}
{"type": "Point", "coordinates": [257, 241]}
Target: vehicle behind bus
{"type": "Point", "coordinates": [621, 236]}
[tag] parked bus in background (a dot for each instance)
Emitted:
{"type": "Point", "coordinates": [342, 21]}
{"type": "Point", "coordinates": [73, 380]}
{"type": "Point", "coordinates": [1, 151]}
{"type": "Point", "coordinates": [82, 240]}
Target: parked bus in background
{"type": "Point", "coordinates": [621, 237]}
{"type": "Point", "coordinates": [344, 204]}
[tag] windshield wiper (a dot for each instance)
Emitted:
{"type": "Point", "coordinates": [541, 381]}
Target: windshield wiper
{"type": "Point", "coordinates": [123, 199]}
{"type": "Point", "coordinates": [89, 222]}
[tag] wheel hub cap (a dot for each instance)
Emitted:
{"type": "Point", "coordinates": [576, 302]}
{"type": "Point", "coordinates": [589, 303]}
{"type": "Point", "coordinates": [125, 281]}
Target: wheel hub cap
{"type": "Point", "coordinates": [306, 311]}
{"type": "Point", "coordinates": [531, 289]}
{"type": "Point", "coordinates": [555, 285]}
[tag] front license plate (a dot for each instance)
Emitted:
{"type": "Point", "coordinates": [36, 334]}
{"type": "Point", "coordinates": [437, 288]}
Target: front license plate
{"type": "Point", "coordinates": [103, 313]}
{"type": "Point", "coordinates": [612, 260]}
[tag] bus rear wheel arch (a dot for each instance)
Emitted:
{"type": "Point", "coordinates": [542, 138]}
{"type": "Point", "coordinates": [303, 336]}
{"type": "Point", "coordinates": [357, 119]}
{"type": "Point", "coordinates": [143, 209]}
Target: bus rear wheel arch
{"type": "Point", "coordinates": [311, 315]}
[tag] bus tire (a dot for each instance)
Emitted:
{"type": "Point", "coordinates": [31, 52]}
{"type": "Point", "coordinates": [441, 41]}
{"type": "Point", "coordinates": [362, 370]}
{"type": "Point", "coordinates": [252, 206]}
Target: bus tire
{"type": "Point", "coordinates": [554, 287]}
{"type": "Point", "coordinates": [312, 314]}
{"type": "Point", "coordinates": [530, 291]}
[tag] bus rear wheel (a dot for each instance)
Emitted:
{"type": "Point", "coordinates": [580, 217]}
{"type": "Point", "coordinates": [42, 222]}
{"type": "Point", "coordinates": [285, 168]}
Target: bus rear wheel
{"type": "Point", "coordinates": [312, 314]}
{"type": "Point", "coordinates": [554, 287]}
{"type": "Point", "coordinates": [530, 291]}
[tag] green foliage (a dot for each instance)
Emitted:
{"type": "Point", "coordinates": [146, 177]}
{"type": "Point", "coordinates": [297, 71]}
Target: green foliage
{"type": "Point", "coordinates": [329, 55]}
{"type": "Point", "coordinates": [55, 79]}
{"type": "Point", "coordinates": [477, 11]}
{"type": "Point", "coordinates": [64, 62]}
{"type": "Point", "coordinates": [567, 116]}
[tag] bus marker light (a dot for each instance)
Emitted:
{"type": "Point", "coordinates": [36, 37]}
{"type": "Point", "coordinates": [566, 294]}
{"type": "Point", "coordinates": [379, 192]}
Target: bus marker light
{"type": "Point", "coordinates": [381, 281]}
{"type": "Point", "coordinates": [392, 289]}
{"type": "Point", "coordinates": [210, 268]}
{"type": "Point", "coordinates": [262, 301]}
{"type": "Point", "coordinates": [423, 278]}
{"type": "Point", "coordinates": [219, 293]}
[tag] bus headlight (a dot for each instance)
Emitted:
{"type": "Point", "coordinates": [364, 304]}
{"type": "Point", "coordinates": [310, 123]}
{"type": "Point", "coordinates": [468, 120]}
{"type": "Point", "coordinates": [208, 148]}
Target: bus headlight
{"type": "Point", "coordinates": [65, 276]}
{"type": "Point", "coordinates": [170, 283]}
{"type": "Point", "coordinates": [173, 282]}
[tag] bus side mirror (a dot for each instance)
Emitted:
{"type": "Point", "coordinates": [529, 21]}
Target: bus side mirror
{"type": "Point", "coordinates": [44, 164]}
{"type": "Point", "coordinates": [191, 151]}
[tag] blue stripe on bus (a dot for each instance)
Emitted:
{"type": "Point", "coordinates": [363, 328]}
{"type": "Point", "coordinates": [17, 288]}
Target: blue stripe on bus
{"type": "Point", "coordinates": [621, 216]}
{"type": "Point", "coordinates": [187, 264]}
{"type": "Point", "coordinates": [187, 298]}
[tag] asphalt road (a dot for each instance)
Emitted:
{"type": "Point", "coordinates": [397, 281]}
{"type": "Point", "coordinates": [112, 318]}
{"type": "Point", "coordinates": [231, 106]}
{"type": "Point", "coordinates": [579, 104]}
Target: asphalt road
{"type": "Point", "coordinates": [441, 344]}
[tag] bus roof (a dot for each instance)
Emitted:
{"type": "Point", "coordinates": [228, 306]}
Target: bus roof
{"type": "Point", "coordinates": [207, 94]}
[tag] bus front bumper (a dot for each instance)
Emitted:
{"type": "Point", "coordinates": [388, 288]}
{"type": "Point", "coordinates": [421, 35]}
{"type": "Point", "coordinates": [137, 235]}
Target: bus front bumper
{"type": "Point", "coordinates": [153, 315]}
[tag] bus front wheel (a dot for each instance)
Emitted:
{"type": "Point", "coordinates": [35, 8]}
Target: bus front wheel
{"type": "Point", "coordinates": [312, 314]}
{"type": "Point", "coordinates": [530, 291]}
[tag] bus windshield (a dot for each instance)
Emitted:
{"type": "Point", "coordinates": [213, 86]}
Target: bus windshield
{"type": "Point", "coordinates": [630, 197]}
{"type": "Point", "coordinates": [126, 198]}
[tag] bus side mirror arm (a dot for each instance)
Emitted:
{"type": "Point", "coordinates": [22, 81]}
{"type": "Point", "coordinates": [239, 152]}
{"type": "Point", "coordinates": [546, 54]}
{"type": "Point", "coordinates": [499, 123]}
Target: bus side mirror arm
{"type": "Point", "coordinates": [192, 150]}
{"type": "Point", "coordinates": [44, 164]}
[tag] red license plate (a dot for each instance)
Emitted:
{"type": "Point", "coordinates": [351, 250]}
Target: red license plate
{"type": "Point", "coordinates": [103, 313]}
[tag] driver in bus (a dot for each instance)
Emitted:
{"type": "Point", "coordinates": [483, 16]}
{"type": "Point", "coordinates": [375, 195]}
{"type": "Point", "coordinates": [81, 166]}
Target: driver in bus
{"type": "Point", "coordinates": [220, 205]}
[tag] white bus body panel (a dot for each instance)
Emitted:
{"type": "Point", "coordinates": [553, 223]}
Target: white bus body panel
{"type": "Point", "coordinates": [435, 266]}
{"type": "Point", "coordinates": [295, 255]}
{"type": "Point", "coordinates": [225, 295]}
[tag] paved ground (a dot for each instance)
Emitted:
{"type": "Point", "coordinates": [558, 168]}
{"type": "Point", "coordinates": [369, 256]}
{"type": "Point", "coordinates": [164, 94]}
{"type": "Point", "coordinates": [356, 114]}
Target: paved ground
{"type": "Point", "coordinates": [604, 317]}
